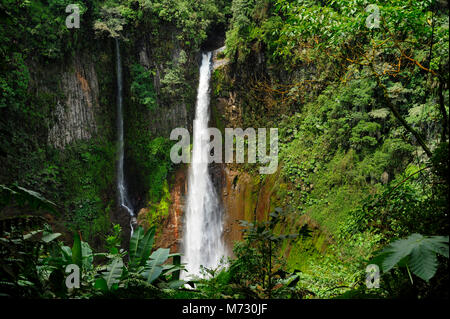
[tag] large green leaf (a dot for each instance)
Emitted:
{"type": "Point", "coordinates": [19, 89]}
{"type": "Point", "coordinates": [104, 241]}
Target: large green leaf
{"type": "Point", "coordinates": [423, 261]}
{"type": "Point", "coordinates": [152, 272]}
{"type": "Point", "coordinates": [138, 235]}
{"type": "Point", "coordinates": [50, 237]}
{"type": "Point", "coordinates": [160, 256]}
{"type": "Point", "coordinates": [31, 235]}
{"type": "Point", "coordinates": [173, 268]}
{"type": "Point", "coordinates": [101, 284]}
{"type": "Point", "coordinates": [36, 200]}
{"type": "Point", "coordinates": [87, 256]}
{"type": "Point", "coordinates": [66, 254]}
{"type": "Point", "coordinates": [417, 252]}
{"type": "Point", "coordinates": [113, 272]}
{"type": "Point", "coordinates": [141, 246]}
{"type": "Point", "coordinates": [176, 268]}
{"type": "Point", "coordinates": [175, 284]}
{"type": "Point", "coordinates": [153, 267]}
{"type": "Point", "coordinates": [77, 256]}
{"type": "Point", "coordinates": [25, 197]}
{"type": "Point", "coordinates": [145, 246]}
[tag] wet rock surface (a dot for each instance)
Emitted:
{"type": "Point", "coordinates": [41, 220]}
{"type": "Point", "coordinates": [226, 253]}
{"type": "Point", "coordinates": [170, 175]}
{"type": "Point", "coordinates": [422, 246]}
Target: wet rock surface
{"type": "Point", "coordinates": [171, 228]}
{"type": "Point", "coordinates": [75, 110]}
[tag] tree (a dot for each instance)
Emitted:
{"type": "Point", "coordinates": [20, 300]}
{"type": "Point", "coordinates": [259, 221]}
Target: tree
{"type": "Point", "coordinates": [258, 261]}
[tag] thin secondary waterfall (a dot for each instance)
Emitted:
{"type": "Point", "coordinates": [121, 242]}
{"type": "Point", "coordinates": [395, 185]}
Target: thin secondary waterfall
{"type": "Point", "coordinates": [203, 244]}
{"type": "Point", "coordinates": [121, 187]}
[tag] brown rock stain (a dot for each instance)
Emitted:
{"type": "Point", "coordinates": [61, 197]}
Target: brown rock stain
{"type": "Point", "coordinates": [244, 198]}
{"type": "Point", "coordinates": [85, 87]}
{"type": "Point", "coordinates": [170, 230]}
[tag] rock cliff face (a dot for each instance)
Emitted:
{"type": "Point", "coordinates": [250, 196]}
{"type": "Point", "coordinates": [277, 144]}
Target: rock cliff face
{"type": "Point", "coordinates": [219, 59]}
{"type": "Point", "coordinates": [75, 110]}
{"type": "Point", "coordinates": [246, 197]}
{"type": "Point", "coordinates": [237, 192]}
{"type": "Point", "coordinates": [176, 111]}
{"type": "Point", "coordinates": [173, 227]}
{"type": "Point", "coordinates": [171, 230]}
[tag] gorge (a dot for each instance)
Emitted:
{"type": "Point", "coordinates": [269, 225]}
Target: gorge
{"type": "Point", "coordinates": [360, 116]}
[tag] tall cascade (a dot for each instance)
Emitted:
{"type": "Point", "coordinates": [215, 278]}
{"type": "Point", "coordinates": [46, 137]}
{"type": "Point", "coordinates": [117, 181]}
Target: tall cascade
{"type": "Point", "coordinates": [202, 242]}
{"type": "Point", "coordinates": [124, 201]}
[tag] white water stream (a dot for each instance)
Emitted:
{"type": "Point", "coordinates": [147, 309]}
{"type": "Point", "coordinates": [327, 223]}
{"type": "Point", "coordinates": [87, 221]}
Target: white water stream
{"type": "Point", "coordinates": [124, 201]}
{"type": "Point", "coordinates": [202, 242]}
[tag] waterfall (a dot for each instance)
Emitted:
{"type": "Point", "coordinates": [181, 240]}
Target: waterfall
{"type": "Point", "coordinates": [124, 201]}
{"type": "Point", "coordinates": [202, 242]}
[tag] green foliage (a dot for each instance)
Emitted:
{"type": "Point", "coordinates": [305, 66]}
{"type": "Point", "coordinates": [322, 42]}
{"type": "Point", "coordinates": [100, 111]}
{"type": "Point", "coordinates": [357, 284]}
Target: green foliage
{"type": "Point", "coordinates": [34, 261]}
{"type": "Point", "coordinates": [218, 284]}
{"type": "Point", "coordinates": [142, 87]}
{"type": "Point", "coordinates": [336, 24]}
{"type": "Point", "coordinates": [140, 246]}
{"type": "Point", "coordinates": [159, 166]}
{"type": "Point", "coordinates": [404, 206]}
{"type": "Point", "coordinates": [14, 82]}
{"type": "Point", "coordinates": [238, 37]}
{"type": "Point", "coordinates": [87, 171]}
{"type": "Point", "coordinates": [33, 265]}
{"type": "Point", "coordinates": [76, 250]}
{"type": "Point", "coordinates": [174, 82]}
{"type": "Point", "coordinates": [111, 20]}
{"type": "Point", "coordinates": [113, 273]}
{"type": "Point", "coordinates": [193, 19]}
{"type": "Point", "coordinates": [336, 271]}
{"type": "Point", "coordinates": [152, 157]}
{"type": "Point", "coordinates": [346, 161]}
{"type": "Point", "coordinates": [257, 270]}
{"type": "Point", "coordinates": [142, 265]}
{"type": "Point", "coordinates": [364, 135]}
{"type": "Point", "coordinates": [76, 179]}
{"type": "Point", "coordinates": [41, 24]}
{"type": "Point", "coordinates": [113, 241]}
{"type": "Point", "coordinates": [311, 68]}
{"type": "Point", "coordinates": [20, 255]}
{"type": "Point", "coordinates": [153, 266]}
{"type": "Point", "coordinates": [416, 252]}
{"type": "Point", "coordinates": [24, 198]}
{"type": "Point", "coordinates": [257, 264]}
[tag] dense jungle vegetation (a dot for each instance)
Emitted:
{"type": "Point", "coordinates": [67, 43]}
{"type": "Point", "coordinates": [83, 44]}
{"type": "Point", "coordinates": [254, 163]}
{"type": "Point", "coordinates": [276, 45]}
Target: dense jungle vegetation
{"type": "Point", "coordinates": [362, 109]}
